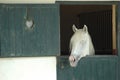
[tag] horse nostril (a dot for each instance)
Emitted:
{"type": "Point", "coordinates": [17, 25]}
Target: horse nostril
{"type": "Point", "coordinates": [74, 60]}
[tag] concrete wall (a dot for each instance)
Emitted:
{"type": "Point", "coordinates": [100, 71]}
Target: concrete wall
{"type": "Point", "coordinates": [44, 1]}
{"type": "Point", "coordinates": [28, 68]}
{"type": "Point", "coordinates": [27, 1]}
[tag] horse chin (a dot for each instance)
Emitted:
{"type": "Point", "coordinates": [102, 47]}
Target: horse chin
{"type": "Point", "coordinates": [73, 64]}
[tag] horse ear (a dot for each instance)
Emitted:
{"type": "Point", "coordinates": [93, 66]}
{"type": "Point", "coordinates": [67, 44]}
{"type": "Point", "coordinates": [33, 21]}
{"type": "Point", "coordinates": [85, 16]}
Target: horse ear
{"type": "Point", "coordinates": [85, 29]}
{"type": "Point", "coordinates": [74, 28]}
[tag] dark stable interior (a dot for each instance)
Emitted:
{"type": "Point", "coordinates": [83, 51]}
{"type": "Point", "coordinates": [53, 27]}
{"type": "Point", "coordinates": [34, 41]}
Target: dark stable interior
{"type": "Point", "coordinates": [98, 18]}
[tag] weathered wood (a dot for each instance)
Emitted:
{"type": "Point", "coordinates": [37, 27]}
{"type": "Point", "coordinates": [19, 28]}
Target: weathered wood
{"type": "Point", "coordinates": [41, 40]}
{"type": "Point", "coordinates": [89, 68]}
{"type": "Point", "coordinates": [118, 38]}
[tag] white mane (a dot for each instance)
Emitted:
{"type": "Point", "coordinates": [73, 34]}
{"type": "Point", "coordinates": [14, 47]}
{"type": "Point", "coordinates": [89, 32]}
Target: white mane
{"type": "Point", "coordinates": [80, 45]}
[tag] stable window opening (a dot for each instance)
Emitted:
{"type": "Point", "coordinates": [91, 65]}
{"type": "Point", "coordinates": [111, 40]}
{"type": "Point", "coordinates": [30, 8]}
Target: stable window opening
{"type": "Point", "coordinates": [101, 22]}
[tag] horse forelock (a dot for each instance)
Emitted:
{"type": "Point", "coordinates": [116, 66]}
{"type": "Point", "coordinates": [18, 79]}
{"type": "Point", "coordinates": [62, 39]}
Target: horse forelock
{"type": "Point", "coordinates": [79, 35]}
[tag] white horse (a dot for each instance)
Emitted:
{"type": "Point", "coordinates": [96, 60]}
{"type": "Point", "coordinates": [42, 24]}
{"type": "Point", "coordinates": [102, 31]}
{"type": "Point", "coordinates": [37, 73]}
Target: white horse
{"type": "Point", "coordinates": [80, 45]}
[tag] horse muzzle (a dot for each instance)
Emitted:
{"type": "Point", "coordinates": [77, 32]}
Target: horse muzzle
{"type": "Point", "coordinates": [73, 61]}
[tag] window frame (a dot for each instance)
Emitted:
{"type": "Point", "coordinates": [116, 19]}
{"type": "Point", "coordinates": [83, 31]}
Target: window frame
{"type": "Point", "coordinates": [116, 3]}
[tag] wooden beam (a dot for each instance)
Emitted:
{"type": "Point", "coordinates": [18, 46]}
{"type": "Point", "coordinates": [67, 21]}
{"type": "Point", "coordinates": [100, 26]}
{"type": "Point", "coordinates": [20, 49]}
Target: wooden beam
{"type": "Point", "coordinates": [114, 28]}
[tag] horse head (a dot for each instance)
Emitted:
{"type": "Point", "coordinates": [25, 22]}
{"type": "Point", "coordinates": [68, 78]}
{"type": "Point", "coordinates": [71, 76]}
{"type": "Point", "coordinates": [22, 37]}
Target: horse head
{"type": "Point", "coordinates": [80, 45]}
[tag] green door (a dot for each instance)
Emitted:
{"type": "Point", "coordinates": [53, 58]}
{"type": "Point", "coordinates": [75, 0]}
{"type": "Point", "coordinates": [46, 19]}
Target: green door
{"type": "Point", "coordinates": [40, 40]}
